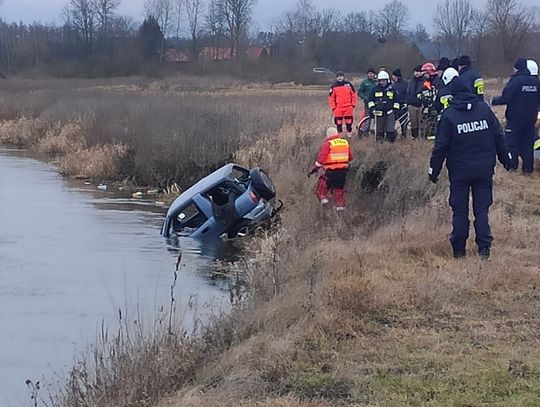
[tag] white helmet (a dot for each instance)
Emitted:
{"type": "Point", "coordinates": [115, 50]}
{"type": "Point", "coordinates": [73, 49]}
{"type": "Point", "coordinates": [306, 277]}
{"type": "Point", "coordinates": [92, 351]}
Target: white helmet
{"type": "Point", "coordinates": [532, 66]}
{"type": "Point", "coordinates": [383, 75]}
{"type": "Point", "coordinates": [448, 75]}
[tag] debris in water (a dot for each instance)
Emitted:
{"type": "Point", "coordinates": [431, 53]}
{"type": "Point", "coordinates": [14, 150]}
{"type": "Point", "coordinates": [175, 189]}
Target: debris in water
{"type": "Point", "coordinates": [103, 187]}
{"type": "Point", "coordinates": [152, 191]}
{"type": "Point", "coordinates": [137, 194]}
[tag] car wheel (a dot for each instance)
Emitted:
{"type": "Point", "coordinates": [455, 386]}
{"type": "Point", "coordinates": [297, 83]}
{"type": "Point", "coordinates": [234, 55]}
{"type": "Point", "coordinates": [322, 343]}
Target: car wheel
{"type": "Point", "coordinates": [262, 183]}
{"type": "Point", "coordinates": [241, 229]}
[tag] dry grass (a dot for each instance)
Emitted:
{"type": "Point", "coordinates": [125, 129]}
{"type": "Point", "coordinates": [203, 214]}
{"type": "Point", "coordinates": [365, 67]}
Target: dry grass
{"type": "Point", "coordinates": [365, 309]}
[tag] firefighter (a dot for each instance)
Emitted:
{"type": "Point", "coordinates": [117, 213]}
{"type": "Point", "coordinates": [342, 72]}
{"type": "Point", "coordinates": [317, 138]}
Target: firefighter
{"type": "Point", "coordinates": [472, 77]}
{"type": "Point", "coordinates": [401, 85]}
{"type": "Point", "coordinates": [383, 105]}
{"type": "Point", "coordinates": [334, 157]}
{"type": "Point", "coordinates": [532, 66]}
{"type": "Point", "coordinates": [342, 101]}
{"type": "Point", "coordinates": [444, 94]}
{"type": "Point", "coordinates": [414, 104]}
{"type": "Point", "coordinates": [427, 96]}
{"type": "Point", "coordinates": [469, 138]}
{"type": "Point", "coordinates": [521, 96]}
{"type": "Point", "coordinates": [364, 91]}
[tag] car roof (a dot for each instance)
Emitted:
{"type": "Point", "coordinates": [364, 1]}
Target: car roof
{"type": "Point", "coordinates": [203, 185]}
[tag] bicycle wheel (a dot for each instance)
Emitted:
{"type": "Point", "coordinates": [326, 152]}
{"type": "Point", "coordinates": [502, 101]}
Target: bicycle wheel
{"type": "Point", "coordinates": [363, 129]}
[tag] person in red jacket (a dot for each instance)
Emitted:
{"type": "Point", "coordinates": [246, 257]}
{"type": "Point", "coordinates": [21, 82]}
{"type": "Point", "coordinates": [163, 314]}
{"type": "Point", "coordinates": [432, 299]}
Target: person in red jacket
{"type": "Point", "coordinates": [342, 101]}
{"type": "Point", "coordinates": [334, 157]}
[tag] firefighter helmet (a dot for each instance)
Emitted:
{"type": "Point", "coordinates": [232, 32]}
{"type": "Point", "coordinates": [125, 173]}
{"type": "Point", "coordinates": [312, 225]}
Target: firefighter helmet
{"type": "Point", "coordinates": [383, 75]}
{"type": "Point", "coordinates": [448, 75]}
{"type": "Point", "coordinates": [532, 66]}
{"type": "Point", "coordinates": [429, 68]}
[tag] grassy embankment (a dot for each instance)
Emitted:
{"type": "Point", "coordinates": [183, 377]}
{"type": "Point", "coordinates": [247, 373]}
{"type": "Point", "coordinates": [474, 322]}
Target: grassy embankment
{"type": "Point", "coordinates": [368, 308]}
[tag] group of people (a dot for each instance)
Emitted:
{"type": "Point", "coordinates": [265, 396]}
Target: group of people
{"type": "Point", "coordinates": [388, 98]}
{"type": "Point", "coordinates": [468, 135]}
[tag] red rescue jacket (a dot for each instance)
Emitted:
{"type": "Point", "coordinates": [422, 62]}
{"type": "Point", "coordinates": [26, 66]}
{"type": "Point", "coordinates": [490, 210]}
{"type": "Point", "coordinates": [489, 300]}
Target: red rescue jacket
{"type": "Point", "coordinates": [335, 154]}
{"type": "Point", "coordinates": [342, 95]}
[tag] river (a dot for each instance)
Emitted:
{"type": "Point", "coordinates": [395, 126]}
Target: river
{"type": "Point", "coordinates": [71, 257]}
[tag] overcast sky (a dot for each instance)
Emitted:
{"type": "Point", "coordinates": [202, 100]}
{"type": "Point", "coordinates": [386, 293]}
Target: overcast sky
{"type": "Point", "coordinates": [264, 13]}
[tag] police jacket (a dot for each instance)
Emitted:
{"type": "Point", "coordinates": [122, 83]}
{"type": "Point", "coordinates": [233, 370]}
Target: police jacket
{"type": "Point", "coordinates": [382, 101]}
{"type": "Point", "coordinates": [401, 89]}
{"type": "Point", "coordinates": [469, 137]}
{"type": "Point", "coordinates": [342, 95]}
{"type": "Point", "coordinates": [521, 96]}
{"type": "Point", "coordinates": [416, 85]}
{"type": "Point", "coordinates": [474, 80]}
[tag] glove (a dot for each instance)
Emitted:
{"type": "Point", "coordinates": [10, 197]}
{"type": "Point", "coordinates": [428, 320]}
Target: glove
{"type": "Point", "coordinates": [313, 170]}
{"type": "Point", "coordinates": [433, 178]}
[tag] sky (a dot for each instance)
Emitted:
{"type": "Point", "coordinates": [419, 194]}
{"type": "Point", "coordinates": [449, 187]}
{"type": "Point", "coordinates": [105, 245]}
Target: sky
{"type": "Point", "coordinates": [265, 12]}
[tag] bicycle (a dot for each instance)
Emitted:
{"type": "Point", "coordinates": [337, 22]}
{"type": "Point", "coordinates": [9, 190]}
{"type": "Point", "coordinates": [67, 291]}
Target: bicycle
{"type": "Point", "coordinates": [362, 132]}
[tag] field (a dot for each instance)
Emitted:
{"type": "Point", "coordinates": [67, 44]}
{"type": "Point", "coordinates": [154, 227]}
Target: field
{"type": "Point", "coordinates": [367, 308]}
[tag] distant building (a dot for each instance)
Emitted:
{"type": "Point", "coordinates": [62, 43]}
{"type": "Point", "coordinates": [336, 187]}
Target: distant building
{"type": "Point", "coordinates": [176, 56]}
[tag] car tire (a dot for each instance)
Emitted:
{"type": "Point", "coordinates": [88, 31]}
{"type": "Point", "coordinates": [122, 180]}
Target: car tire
{"type": "Point", "coordinates": [262, 184]}
{"type": "Point", "coordinates": [241, 229]}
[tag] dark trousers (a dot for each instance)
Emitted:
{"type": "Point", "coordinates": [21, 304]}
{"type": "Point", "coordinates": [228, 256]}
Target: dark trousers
{"type": "Point", "coordinates": [482, 197]}
{"type": "Point", "coordinates": [384, 126]}
{"type": "Point", "coordinates": [520, 141]}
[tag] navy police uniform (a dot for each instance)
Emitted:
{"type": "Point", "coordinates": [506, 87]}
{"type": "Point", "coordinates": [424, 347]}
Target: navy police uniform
{"type": "Point", "coordinates": [521, 97]}
{"type": "Point", "coordinates": [469, 138]}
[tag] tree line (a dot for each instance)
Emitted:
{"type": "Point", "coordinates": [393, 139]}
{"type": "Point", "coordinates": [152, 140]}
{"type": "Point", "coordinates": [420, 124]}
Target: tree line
{"type": "Point", "coordinates": [95, 40]}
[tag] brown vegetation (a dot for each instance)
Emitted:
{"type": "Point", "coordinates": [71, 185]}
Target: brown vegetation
{"type": "Point", "coordinates": [367, 308]}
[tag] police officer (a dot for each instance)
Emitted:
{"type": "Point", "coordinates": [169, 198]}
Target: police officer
{"type": "Point", "coordinates": [521, 97]}
{"type": "Point", "coordinates": [474, 80]}
{"type": "Point", "coordinates": [383, 105]}
{"type": "Point", "coordinates": [469, 137]}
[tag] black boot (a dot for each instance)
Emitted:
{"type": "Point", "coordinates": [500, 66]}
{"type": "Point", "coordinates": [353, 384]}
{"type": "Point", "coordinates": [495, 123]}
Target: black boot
{"type": "Point", "coordinates": [415, 133]}
{"type": "Point", "coordinates": [391, 136]}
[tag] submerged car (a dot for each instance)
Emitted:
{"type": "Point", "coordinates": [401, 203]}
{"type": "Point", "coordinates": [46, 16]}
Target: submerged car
{"type": "Point", "coordinates": [228, 202]}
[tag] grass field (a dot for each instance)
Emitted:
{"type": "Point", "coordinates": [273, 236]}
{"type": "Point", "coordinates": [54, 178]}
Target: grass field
{"type": "Point", "coordinates": [367, 308]}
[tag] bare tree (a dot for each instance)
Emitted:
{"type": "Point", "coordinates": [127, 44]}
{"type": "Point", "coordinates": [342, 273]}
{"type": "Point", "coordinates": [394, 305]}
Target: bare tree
{"type": "Point", "coordinates": [215, 24]}
{"type": "Point", "coordinates": [194, 10]}
{"type": "Point", "coordinates": [237, 13]}
{"type": "Point", "coordinates": [454, 21]}
{"type": "Point", "coordinates": [510, 22]}
{"type": "Point", "coordinates": [178, 7]}
{"type": "Point", "coordinates": [356, 22]}
{"type": "Point", "coordinates": [105, 10]}
{"type": "Point", "coordinates": [393, 19]}
{"type": "Point", "coordinates": [81, 15]}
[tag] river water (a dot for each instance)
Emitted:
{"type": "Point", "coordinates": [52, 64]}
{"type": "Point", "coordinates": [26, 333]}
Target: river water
{"type": "Point", "coordinates": [71, 257]}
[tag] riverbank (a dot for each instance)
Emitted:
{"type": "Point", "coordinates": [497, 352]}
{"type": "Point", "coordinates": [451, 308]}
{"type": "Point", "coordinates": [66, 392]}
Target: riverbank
{"type": "Point", "coordinates": [364, 309]}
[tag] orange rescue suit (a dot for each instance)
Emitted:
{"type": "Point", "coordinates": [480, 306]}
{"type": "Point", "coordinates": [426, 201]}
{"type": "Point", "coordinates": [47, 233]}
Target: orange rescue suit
{"type": "Point", "coordinates": [342, 96]}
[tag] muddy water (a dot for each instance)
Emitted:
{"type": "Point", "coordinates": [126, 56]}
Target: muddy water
{"type": "Point", "coordinates": [71, 256]}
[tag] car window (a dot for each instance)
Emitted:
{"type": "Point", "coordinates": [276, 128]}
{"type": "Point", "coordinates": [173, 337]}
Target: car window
{"type": "Point", "coordinates": [240, 174]}
{"type": "Point", "coordinates": [191, 217]}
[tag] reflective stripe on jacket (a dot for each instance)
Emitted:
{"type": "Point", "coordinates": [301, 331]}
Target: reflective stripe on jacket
{"type": "Point", "coordinates": [338, 158]}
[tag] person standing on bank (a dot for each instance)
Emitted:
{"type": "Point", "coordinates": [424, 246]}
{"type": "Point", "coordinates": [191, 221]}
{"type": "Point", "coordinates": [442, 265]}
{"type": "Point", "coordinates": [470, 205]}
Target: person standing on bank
{"type": "Point", "coordinates": [474, 80]}
{"type": "Point", "coordinates": [521, 96]}
{"type": "Point", "coordinates": [469, 138]}
{"type": "Point", "coordinates": [364, 90]}
{"type": "Point", "coordinates": [401, 85]}
{"type": "Point", "coordinates": [383, 105]}
{"type": "Point", "coordinates": [414, 105]}
{"type": "Point", "coordinates": [342, 101]}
